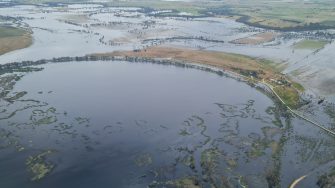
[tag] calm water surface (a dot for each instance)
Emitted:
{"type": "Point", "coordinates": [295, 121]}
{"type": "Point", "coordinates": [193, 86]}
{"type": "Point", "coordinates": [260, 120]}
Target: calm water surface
{"type": "Point", "coordinates": [123, 124]}
{"type": "Point", "coordinates": [120, 124]}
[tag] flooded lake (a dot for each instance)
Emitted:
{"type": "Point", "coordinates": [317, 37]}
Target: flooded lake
{"type": "Point", "coordinates": [138, 124]}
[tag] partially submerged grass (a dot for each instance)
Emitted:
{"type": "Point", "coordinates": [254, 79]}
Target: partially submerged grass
{"type": "Point", "coordinates": [298, 86]}
{"type": "Point", "coordinates": [186, 182]}
{"type": "Point", "coordinates": [327, 180]}
{"type": "Point", "coordinates": [310, 44]}
{"type": "Point", "coordinates": [289, 95]}
{"type": "Point", "coordinates": [143, 160]}
{"type": "Point", "coordinates": [278, 67]}
{"type": "Point", "coordinates": [251, 68]}
{"type": "Point", "coordinates": [38, 166]}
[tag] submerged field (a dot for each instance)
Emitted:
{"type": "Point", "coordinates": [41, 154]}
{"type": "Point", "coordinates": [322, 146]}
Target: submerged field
{"type": "Point", "coordinates": [279, 15]}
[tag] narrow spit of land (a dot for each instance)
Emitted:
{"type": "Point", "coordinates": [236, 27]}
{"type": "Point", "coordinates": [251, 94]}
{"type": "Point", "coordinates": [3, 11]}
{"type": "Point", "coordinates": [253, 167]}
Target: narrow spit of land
{"type": "Point", "coordinates": [254, 69]}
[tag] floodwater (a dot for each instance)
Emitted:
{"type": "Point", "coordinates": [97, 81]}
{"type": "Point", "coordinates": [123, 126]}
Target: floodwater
{"type": "Point", "coordinates": [108, 115]}
{"type": "Point", "coordinates": [122, 124]}
{"type": "Point", "coordinates": [127, 124]}
{"type": "Point", "coordinates": [80, 29]}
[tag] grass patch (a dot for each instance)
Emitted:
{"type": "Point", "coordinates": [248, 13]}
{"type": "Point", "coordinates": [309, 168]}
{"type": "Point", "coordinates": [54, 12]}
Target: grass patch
{"type": "Point", "coordinates": [289, 95]}
{"type": "Point", "coordinates": [279, 67]}
{"type": "Point", "coordinates": [38, 166]}
{"type": "Point", "coordinates": [294, 15]}
{"type": "Point", "coordinates": [7, 31]}
{"type": "Point", "coordinates": [12, 38]}
{"type": "Point", "coordinates": [298, 86]}
{"type": "Point", "coordinates": [310, 44]}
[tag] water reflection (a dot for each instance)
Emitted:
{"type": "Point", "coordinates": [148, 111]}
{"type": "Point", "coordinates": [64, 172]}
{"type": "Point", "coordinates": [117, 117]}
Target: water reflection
{"type": "Point", "coordinates": [134, 125]}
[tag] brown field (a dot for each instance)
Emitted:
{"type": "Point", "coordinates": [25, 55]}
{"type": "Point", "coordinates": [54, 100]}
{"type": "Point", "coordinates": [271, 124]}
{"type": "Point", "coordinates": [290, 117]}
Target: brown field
{"type": "Point", "coordinates": [79, 19]}
{"type": "Point", "coordinates": [8, 44]}
{"type": "Point", "coordinates": [227, 61]}
{"type": "Point", "coordinates": [257, 38]}
{"type": "Point", "coordinates": [253, 69]}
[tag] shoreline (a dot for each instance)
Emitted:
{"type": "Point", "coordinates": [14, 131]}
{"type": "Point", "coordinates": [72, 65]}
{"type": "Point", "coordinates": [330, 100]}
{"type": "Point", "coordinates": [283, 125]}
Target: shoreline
{"type": "Point", "coordinates": [260, 85]}
{"type": "Point", "coordinates": [255, 70]}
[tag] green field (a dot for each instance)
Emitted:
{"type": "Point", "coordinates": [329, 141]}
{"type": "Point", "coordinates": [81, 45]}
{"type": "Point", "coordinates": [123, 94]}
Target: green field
{"type": "Point", "coordinates": [273, 14]}
{"type": "Point", "coordinates": [12, 38]}
{"type": "Point", "coordinates": [285, 15]}
{"type": "Point", "coordinates": [6, 31]}
{"type": "Point", "coordinates": [310, 44]}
